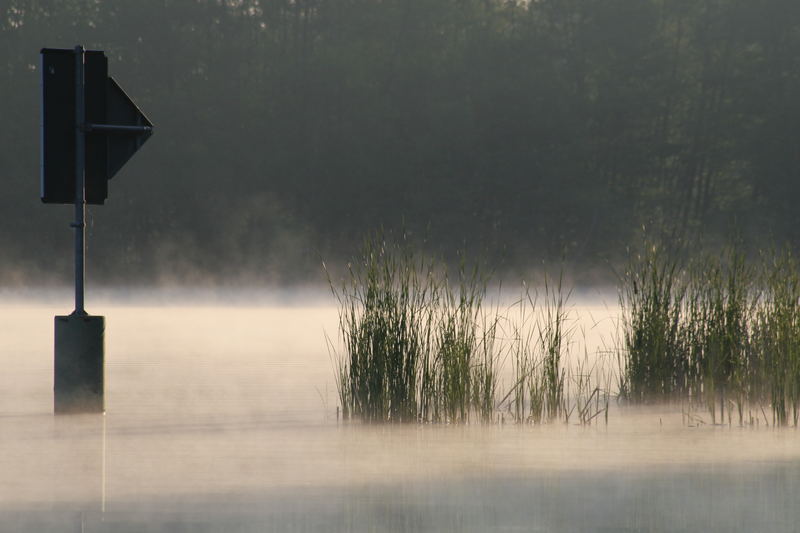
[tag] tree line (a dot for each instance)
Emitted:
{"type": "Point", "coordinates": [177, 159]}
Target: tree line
{"type": "Point", "coordinates": [525, 131]}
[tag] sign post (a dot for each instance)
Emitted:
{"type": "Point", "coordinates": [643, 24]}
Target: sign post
{"type": "Point", "coordinates": [80, 196]}
{"type": "Point", "coordinates": [82, 148]}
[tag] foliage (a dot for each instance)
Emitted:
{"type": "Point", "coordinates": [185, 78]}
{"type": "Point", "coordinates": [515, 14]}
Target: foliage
{"type": "Point", "coordinates": [288, 126]}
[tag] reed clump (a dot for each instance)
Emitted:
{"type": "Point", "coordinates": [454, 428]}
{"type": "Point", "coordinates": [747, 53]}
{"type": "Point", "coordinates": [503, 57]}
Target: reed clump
{"type": "Point", "coordinates": [537, 345]}
{"type": "Point", "coordinates": [652, 298]}
{"type": "Point", "coordinates": [718, 331]}
{"type": "Point", "coordinates": [546, 387]}
{"type": "Point", "coordinates": [775, 357]}
{"type": "Point", "coordinates": [418, 346]}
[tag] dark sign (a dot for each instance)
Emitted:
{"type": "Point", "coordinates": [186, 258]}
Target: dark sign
{"type": "Point", "coordinates": [114, 127]}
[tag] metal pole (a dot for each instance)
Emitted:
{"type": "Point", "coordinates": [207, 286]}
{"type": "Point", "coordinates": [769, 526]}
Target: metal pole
{"type": "Point", "coordinates": [80, 196]}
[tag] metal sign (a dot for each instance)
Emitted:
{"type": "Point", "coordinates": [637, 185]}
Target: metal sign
{"type": "Point", "coordinates": [113, 127]}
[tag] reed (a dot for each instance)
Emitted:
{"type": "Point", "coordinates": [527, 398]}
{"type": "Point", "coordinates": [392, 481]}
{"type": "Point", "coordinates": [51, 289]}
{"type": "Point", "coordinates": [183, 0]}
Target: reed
{"type": "Point", "coordinates": [547, 386]}
{"type": "Point", "coordinates": [718, 328]}
{"type": "Point", "coordinates": [776, 357]}
{"type": "Point", "coordinates": [654, 352]}
{"type": "Point", "coordinates": [417, 346]}
{"type": "Point", "coordinates": [384, 313]}
{"type": "Point", "coordinates": [420, 345]}
{"type": "Point", "coordinates": [721, 332]}
{"type": "Point", "coordinates": [554, 340]}
{"type": "Point", "coordinates": [589, 391]}
{"type": "Point", "coordinates": [525, 400]}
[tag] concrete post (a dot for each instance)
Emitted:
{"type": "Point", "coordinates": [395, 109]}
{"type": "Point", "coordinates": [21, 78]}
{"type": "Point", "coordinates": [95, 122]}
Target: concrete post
{"type": "Point", "coordinates": [79, 380]}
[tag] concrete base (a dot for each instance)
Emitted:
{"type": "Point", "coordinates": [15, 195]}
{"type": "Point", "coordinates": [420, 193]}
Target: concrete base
{"type": "Point", "coordinates": [79, 364]}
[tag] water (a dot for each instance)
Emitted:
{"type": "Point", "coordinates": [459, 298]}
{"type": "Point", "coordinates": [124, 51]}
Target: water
{"type": "Point", "coordinates": [221, 416]}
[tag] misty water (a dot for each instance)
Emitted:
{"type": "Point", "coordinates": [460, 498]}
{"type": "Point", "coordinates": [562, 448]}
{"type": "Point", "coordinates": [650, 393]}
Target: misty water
{"type": "Point", "coordinates": [221, 416]}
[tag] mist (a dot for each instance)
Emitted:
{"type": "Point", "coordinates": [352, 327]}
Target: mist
{"type": "Point", "coordinates": [225, 416]}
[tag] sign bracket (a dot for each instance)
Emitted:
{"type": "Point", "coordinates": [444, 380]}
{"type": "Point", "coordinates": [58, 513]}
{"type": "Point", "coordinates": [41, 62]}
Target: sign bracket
{"type": "Point", "coordinates": [114, 128]}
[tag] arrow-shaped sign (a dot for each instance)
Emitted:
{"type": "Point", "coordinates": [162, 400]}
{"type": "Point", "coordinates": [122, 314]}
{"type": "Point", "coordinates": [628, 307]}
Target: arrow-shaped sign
{"type": "Point", "coordinates": [127, 128]}
{"type": "Point", "coordinates": [113, 125]}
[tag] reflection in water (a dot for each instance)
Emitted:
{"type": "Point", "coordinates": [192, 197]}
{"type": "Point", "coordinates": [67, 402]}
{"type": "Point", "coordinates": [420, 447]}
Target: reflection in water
{"type": "Point", "coordinates": [223, 418]}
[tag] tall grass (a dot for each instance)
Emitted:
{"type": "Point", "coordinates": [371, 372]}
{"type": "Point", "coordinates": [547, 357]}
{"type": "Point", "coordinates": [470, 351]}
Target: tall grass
{"type": "Point", "coordinates": [385, 310]}
{"type": "Point", "coordinates": [421, 345]}
{"type": "Point", "coordinates": [652, 299]}
{"type": "Point", "coordinates": [776, 340]}
{"type": "Point", "coordinates": [536, 349]}
{"type": "Point", "coordinates": [719, 331]}
{"type": "Point", "coordinates": [417, 346]}
{"type": "Point", "coordinates": [554, 338]}
{"type": "Point", "coordinates": [546, 387]}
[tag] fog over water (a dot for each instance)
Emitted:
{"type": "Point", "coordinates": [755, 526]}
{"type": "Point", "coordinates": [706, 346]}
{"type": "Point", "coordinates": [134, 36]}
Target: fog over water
{"type": "Point", "coordinates": [223, 417]}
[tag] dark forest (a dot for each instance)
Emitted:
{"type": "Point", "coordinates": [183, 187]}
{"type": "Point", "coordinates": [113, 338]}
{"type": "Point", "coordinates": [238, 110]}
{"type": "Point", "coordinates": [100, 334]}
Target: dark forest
{"type": "Point", "coordinates": [524, 133]}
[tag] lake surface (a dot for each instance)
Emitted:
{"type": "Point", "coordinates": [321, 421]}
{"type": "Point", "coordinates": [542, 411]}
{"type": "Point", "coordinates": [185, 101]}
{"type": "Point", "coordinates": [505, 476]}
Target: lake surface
{"type": "Point", "coordinates": [221, 416]}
